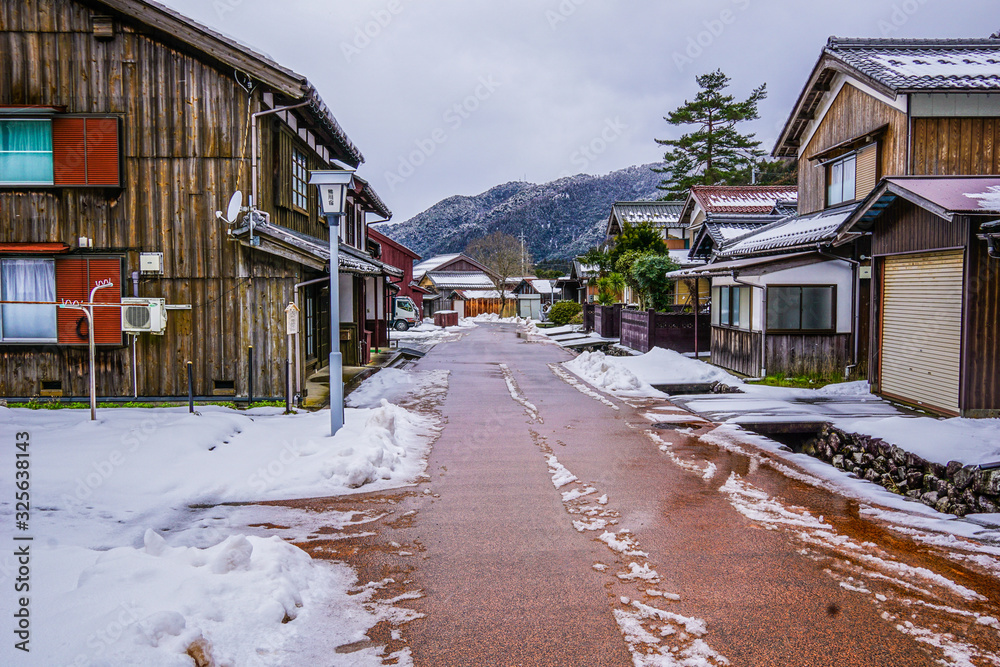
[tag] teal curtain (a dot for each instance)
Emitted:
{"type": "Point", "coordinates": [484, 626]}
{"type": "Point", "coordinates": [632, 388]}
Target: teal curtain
{"type": "Point", "coordinates": [26, 151]}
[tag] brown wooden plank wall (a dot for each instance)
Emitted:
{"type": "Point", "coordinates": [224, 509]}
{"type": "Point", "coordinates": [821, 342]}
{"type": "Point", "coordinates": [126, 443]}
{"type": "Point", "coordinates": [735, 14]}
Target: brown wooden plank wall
{"type": "Point", "coordinates": [981, 349]}
{"type": "Point", "coordinates": [808, 354]}
{"type": "Point", "coordinates": [852, 114]}
{"type": "Point", "coordinates": [736, 350]}
{"type": "Point", "coordinates": [954, 146]}
{"type": "Point", "coordinates": [184, 126]}
{"type": "Point", "coordinates": [904, 227]}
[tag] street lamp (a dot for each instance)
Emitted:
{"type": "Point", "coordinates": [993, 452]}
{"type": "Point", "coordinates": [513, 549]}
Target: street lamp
{"type": "Point", "coordinates": [332, 200]}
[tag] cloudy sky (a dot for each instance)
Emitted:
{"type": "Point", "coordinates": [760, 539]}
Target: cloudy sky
{"type": "Point", "coordinates": [449, 97]}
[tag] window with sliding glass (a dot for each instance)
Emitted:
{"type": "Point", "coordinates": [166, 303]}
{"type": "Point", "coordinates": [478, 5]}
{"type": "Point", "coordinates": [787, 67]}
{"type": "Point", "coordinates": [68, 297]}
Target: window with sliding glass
{"type": "Point", "coordinates": [801, 308]}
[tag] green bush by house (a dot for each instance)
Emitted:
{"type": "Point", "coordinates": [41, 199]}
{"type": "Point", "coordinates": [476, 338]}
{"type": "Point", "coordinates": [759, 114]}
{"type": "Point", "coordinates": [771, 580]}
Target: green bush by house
{"type": "Point", "coordinates": [563, 311]}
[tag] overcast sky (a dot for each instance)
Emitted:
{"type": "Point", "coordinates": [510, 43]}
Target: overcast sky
{"type": "Point", "coordinates": [449, 97]}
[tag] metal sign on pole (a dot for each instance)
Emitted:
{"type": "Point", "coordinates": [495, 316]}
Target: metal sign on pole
{"type": "Point", "coordinates": [333, 199]}
{"type": "Point", "coordinates": [292, 329]}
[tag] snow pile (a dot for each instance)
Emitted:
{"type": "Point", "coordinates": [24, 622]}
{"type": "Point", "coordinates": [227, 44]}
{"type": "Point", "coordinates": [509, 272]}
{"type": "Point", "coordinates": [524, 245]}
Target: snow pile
{"type": "Point", "coordinates": [636, 375]}
{"type": "Point", "coordinates": [235, 603]}
{"type": "Point", "coordinates": [661, 366]}
{"type": "Point", "coordinates": [860, 389]}
{"type": "Point", "coordinates": [603, 372]}
{"type": "Point", "coordinates": [393, 384]}
{"type": "Point", "coordinates": [111, 590]}
{"type": "Point", "coordinates": [971, 441]}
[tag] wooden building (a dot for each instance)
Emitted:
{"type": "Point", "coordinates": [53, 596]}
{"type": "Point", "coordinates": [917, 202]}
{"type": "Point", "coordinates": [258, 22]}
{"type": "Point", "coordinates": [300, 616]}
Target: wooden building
{"type": "Point", "coordinates": [132, 126]}
{"type": "Point", "coordinates": [936, 303]}
{"type": "Point", "coordinates": [399, 256]}
{"type": "Point", "coordinates": [871, 109]}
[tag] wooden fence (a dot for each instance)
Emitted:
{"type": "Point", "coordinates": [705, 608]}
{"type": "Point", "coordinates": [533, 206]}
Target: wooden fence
{"type": "Point", "coordinates": [642, 330]}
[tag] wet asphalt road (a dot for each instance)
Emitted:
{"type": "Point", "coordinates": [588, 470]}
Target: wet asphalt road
{"type": "Point", "coordinates": [744, 564]}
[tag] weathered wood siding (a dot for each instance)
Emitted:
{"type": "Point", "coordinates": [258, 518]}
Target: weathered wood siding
{"type": "Point", "coordinates": [853, 114]}
{"type": "Point", "coordinates": [736, 350]}
{"type": "Point", "coordinates": [954, 146]}
{"type": "Point", "coordinates": [185, 149]}
{"type": "Point", "coordinates": [793, 355]}
{"type": "Point", "coordinates": [904, 227]}
{"type": "Point", "coordinates": [981, 349]}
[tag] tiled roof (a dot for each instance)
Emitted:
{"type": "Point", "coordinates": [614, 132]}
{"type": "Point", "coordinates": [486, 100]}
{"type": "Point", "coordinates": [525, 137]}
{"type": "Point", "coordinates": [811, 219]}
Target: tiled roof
{"type": "Point", "coordinates": [660, 213]}
{"type": "Point", "coordinates": [460, 280]}
{"type": "Point", "coordinates": [923, 64]}
{"type": "Point", "coordinates": [806, 230]}
{"type": "Point", "coordinates": [742, 198]}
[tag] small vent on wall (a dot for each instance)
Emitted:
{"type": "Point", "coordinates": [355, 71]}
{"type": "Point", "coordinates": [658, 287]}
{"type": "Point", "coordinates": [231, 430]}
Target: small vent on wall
{"type": "Point", "coordinates": [224, 387]}
{"type": "Point", "coordinates": [103, 26]}
{"type": "Point", "coordinates": [51, 388]}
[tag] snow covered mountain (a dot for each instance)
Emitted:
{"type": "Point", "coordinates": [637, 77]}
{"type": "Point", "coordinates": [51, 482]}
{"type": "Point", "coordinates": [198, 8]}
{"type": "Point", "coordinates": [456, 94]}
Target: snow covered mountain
{"type": "Point", "coordinates": [559, 219]}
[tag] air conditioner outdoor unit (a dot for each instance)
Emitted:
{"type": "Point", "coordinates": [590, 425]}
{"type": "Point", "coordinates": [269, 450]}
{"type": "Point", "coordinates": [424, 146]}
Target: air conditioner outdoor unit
{"type": "Point", "coordinates": [144, 315]}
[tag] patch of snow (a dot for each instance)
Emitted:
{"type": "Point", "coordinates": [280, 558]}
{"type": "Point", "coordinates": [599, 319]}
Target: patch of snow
{"type": "Point", "coordinates": [560, 475]}
{"type": "Point", "coordinates": [971, 441]}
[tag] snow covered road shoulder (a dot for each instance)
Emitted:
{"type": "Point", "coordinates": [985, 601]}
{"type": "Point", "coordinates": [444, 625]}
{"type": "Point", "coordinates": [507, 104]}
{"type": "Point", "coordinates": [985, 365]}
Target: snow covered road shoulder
{"type": "Point", "coordinates": [133, 563]}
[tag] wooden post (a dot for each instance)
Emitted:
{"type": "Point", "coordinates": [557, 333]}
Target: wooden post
{"type": "Point", "coordinates": [650, 329]}
{"type": "Point", "coordinates": [249, 376]}
{"type": "Point", "coordinates": [190, 386]}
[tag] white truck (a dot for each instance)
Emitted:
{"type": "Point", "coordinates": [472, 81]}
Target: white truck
{"type": "Point", "coordinates": [404, 313]}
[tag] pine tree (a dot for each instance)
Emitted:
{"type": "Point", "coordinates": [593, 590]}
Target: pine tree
{"type": "Point", "coordinates": [715, 153]}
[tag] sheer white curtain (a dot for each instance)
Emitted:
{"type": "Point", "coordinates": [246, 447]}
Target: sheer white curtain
{"type": "Point", "coordinates": [28, 280]}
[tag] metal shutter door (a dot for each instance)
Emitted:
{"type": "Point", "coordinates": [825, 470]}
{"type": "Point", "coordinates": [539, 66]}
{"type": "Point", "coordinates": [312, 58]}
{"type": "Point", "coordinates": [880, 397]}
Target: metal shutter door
{"type": "Point", "coordinates": [922, 329]}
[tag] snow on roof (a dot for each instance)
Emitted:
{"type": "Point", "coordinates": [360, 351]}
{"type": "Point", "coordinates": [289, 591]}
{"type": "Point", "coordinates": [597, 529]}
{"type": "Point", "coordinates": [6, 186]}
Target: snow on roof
{"type": "Point", "coordinates": [432, 263]}
{"type": "Point", "coordinates": [742, 198]}
{"type": "Point", "coordinates": [789, 232]}
{"type": "Point", "coordinates": [660, 213]}
{"type": "Point", "coordinates": [543, 286]}
{"type": "Point", "coordinates": [471, 294]}
{"type": "Point", "coordinates": [923, 64]}
{"type": "Point", "coordinates": [460, 280]}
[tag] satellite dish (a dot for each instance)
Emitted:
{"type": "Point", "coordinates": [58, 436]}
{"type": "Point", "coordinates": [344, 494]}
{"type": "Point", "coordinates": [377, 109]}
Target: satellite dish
{"type": "Point", "coordinates": [235, 204]}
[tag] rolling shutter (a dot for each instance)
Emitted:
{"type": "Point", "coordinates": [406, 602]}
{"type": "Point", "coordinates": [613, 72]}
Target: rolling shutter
{"type": "Point", "coordinates": [85, 151]}
{"type": "Point", "coordinates": [75, 277]}
{"type": "Point", "coordinates": [922, 329]}
{"type": "Point", "coordinates": [867, 171]}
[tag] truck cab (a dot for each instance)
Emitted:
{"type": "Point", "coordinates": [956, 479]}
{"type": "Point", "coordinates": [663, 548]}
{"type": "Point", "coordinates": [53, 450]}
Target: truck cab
{"type": "Point", "coordinates": [404, 313]}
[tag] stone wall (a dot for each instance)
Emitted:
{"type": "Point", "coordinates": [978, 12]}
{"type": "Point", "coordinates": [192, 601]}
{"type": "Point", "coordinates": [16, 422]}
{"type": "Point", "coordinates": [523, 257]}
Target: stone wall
{"type": "Point", "coordinates": [952, 488]}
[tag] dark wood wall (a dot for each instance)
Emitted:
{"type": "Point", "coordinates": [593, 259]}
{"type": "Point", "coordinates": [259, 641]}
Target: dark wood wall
{"type": "Point", "coordinates": [852, 114]}
{"type": "Point", "coordinates": [953, 146]}
{"type": "Point", "coordinates": [826, 355]}
{"type": "Point", "coordinates": [903, 227]}
{"type": "Point", "coordinates": [185, 150]}
{"type": "Point", "coordinates": [736, 350]}
{"type": "Point", "coordinates": [981, 346]}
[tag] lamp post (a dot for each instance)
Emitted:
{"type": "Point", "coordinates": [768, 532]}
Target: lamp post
{"type": "Point", "coordinates": [332, 200]}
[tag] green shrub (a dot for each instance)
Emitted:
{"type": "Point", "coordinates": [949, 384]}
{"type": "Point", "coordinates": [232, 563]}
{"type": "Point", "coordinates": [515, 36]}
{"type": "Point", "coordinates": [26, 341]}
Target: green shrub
{"type": "Point", "coordinates": [577, 319]}
{"type": "Point", "coordinates": [563, 311]}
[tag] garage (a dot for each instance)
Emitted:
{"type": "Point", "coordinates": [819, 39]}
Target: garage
{"type": "Point", "coordinates": [922, 329]}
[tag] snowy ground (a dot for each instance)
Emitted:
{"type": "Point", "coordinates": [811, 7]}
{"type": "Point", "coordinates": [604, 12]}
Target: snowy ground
{"type": "Point", "coordinates": [970, 441]}
{"type": "Point", "coordinates": [135, 562]}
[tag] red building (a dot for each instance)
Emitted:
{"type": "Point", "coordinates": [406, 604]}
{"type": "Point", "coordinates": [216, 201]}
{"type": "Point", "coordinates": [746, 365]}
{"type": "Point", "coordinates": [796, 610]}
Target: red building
{"type": "Point", "coordinates": [398, 255]}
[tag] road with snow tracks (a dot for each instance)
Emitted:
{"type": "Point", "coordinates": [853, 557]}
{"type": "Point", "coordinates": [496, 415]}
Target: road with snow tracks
{"type": "Point", "coordinates": [556, 526]}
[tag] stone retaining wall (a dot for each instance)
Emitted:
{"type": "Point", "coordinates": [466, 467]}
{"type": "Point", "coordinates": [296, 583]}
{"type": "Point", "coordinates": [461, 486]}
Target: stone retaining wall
{"type": "Point", "coordinates": [952, 488]}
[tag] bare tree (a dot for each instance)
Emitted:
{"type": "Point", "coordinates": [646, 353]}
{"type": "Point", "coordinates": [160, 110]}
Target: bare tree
{"type": "Point", "coordinates": [503, 255]}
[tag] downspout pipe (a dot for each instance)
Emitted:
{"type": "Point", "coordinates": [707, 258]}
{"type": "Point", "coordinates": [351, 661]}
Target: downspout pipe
{"type": "Point", "coordinates": [298, 356]}
{"type": "Point", "coordinates": [763, 321]}
{"type": "Point", "coordinates": [855, 303]}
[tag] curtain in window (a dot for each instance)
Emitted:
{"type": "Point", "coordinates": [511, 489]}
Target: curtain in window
{"type": "Point", "coordinates": [28, 280]}
{"type": "Point", "coordinates": [26, 151]}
